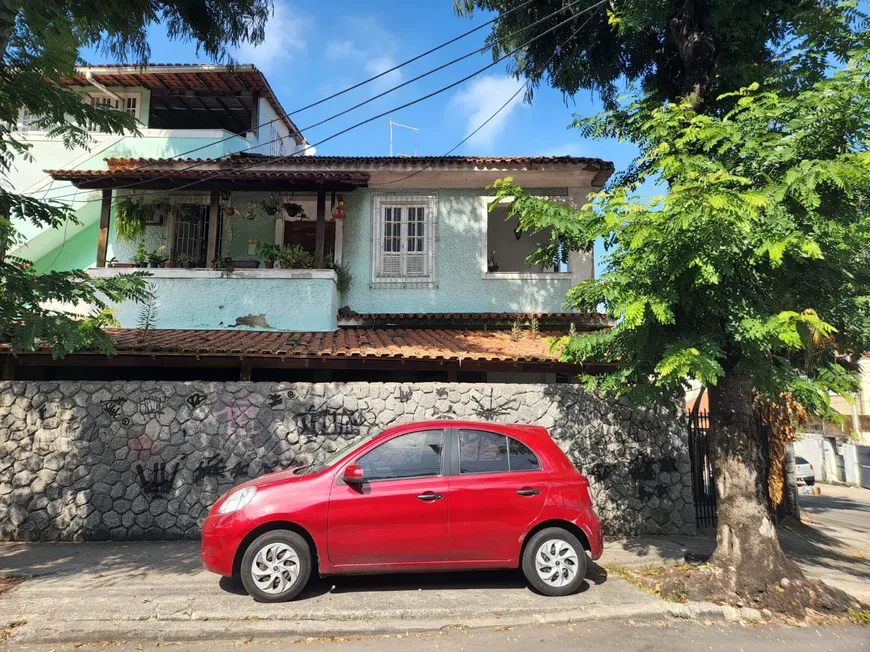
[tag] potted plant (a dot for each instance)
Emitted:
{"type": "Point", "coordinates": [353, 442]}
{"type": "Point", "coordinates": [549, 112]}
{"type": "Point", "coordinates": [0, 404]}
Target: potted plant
{"type": "Point", "coordinates": [251, 211]}
{"type": "Point", "coordinates": [268, 253]}
{"type": "Point", "coordinates": [493, 263]}
{"type": "Point", "coordinates": [131, 216]}
{"type": "Point", "coordinates": [184, 260]}
{"type": "Point", "coordinates": [140, 258]}
{"type": "Point", "coordinates": [223, 263]}
{"type": "Point", "coordinates": [270, 205]}
{"type": "Point", "coordinates": [227, 203]}
{"type": "Point", "coordinates": [293, 210]}
{"type": "Point", "coordinates": [295, 257]}
{"type": "Point", "coordinates": [157, 258]}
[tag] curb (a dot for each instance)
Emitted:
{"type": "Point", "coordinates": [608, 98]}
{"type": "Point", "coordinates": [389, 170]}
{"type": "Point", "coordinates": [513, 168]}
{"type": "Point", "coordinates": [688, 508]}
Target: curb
{"type": "Point", "coordinates": [165, 631]}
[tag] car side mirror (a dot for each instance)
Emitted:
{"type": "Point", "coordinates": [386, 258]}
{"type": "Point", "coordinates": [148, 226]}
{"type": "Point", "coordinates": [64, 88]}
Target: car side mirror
{"type": "Point", "coordinates": [353, 474]}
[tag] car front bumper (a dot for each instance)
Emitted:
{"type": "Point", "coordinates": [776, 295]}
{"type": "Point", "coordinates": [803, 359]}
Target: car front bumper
{"type": "Point", "coordinates": [222, 534]}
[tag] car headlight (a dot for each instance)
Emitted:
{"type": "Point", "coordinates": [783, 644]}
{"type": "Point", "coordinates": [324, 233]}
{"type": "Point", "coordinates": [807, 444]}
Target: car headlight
{"type": "Point", "coordinates": [237, 500]}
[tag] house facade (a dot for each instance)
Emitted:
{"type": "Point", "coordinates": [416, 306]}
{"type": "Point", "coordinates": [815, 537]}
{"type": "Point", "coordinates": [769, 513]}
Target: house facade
{"type": "Point", "coordinates": [300, 302]}
{"type": "Point", "coordinates": [203, 110]}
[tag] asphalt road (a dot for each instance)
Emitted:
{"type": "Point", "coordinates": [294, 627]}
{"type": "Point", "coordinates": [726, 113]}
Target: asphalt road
{"type": "Point", "coordinates": [847, 508]}
{"type": "Point", "coordinates": [604, 636]}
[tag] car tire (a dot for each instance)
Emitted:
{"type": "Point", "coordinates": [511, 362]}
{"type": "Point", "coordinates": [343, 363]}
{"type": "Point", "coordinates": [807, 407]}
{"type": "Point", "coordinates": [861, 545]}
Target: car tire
{"type": "Point", "coordinates": [554, 562]}
{"type": "Point", "coordinates": [276, 566]}
{"type": "Point", "coordinates": [810, 481]}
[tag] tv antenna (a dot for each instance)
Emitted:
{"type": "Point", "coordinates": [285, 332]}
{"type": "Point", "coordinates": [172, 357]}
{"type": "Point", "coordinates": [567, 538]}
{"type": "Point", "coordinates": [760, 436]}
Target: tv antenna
{"type": "Point", "coordinates": [396, 124]}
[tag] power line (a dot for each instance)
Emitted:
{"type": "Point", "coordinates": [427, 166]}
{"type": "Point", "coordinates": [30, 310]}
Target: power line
{"type": "Point", "coordinates": [352, 127]}
{"type": "Point", "coordinates": [365, 81]}
{"type": "Point", "coordinates": [539, 70]}
{"type": "Point", "coordinates": [378, 96]}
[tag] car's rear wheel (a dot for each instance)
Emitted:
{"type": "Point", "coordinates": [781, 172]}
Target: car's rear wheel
{"type": "Point", "coordinates": [276, 566]}
{"type": "Point", "coordinates": [554, 562]}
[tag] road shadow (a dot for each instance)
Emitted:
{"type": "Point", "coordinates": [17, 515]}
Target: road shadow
{"type": "Point", "coordinates": [809, 544]}
{"type": "Point", "coordinates": [448, 581]}
{"type": "Point", "coordinates": [40, 559]}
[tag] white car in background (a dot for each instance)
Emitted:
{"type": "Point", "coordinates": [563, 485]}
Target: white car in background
{"type": "Point", "coordinates": [804, 471]}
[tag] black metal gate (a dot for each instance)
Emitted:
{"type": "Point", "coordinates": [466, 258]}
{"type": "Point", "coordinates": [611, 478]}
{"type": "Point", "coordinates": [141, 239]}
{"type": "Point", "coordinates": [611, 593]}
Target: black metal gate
{"type": "Point", "coordinates": [703, 487]}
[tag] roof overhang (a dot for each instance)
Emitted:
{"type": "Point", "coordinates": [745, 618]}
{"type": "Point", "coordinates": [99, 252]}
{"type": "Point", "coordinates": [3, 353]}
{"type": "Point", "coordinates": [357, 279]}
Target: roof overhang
{"type": "Point", "coordinates": [184, 78]}
{"type": "Point", "coordinates": [206, 179]}
{"type": "Point", "coordinates": [376, 172]}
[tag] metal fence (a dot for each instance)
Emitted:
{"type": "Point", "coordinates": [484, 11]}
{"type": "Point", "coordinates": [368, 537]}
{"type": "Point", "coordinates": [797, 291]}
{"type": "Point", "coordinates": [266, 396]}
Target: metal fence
{"type": "Point", "coordinates": [703, 487]}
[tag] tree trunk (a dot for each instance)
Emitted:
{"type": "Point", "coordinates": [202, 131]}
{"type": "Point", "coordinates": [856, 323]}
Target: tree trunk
{"type": "Point", "coordinates": [747, 550]}
{"type": "Point", "coordinates": [8, 11]}
{"type": "Point", "coordinates": [690, 50]}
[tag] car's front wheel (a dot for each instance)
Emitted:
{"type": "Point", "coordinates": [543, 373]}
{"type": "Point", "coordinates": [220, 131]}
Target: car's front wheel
{"type": "Point", "coordinates": [276, 566]}
{"type": "Point", "coordinates": [554, 562]}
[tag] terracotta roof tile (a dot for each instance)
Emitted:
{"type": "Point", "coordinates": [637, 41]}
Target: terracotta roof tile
{"type": "Point", "coordinates": [313, 175]}
{"type": "Point", "coordinates": [581, 320]}
{"type": "Point", "coordinates": [387, 343]}
{"type": "Point", "coordinates": [245, 159]}
{"type": "Point", "coordinates": [186, 76]}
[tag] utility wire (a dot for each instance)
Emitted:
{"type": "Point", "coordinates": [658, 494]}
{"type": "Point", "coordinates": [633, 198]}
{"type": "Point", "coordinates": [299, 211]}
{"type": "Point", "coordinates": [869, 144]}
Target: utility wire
{"type": "Point", "coordinates": [539, 70]}
{"type": "Point", "coordinates": [365, 81]}
{"type": "Point", "coordinates": [371, 99]}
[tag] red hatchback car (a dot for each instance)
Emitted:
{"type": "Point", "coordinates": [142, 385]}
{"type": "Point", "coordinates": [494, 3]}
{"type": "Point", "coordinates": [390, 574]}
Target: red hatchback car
{"type": "Point", "coordinates": [428, 496]}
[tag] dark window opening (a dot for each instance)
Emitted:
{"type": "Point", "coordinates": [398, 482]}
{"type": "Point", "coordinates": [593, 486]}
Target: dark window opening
{"type": "Point", "coordinates": [201, 111]}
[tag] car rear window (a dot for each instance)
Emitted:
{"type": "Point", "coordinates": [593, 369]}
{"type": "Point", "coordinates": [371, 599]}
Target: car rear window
{"type": "Point", "coordinates": [481, 451]}
{"type": "Point", "coordinates": [800, 460]}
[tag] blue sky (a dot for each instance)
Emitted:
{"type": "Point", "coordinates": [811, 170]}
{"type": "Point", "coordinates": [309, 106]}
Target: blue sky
{"type": "Point", "coordinates": [313, 49]}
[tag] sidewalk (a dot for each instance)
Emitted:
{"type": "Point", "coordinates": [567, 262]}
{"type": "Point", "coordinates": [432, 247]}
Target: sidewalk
{"type": "Point", "coordinates": [158, 591]}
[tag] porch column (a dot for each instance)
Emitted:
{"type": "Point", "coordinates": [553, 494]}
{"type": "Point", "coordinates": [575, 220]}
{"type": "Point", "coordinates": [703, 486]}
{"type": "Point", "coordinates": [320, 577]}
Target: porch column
{"type": "Point", "coordinates": [321, 230]}
{"type": "Point", "coordinates": [103, 239]}
{"type": "Point", "coordinates": [213, 211]}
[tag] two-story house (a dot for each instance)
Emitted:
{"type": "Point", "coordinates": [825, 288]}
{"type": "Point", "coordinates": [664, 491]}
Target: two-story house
{"type": "Point", "coordinates": [270, 263]}
{"type": "Point", "coordinates": [198, 110]}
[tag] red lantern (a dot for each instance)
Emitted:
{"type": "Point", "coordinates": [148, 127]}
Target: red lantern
{"type": "Point", "coordinates": [338, 211]}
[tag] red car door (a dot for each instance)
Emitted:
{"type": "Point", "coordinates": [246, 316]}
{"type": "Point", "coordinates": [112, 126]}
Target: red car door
{"type": "Point", "coordinates": [499, 490]}
{"type": "Point", "coordinates": [399, 514]}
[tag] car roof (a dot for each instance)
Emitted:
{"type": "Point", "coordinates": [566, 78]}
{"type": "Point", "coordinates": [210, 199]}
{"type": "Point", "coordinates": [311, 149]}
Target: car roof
{"type": "Point", "coordinates": [526, 429]}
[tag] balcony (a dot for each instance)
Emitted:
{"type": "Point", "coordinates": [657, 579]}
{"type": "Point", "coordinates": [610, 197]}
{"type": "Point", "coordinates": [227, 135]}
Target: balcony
{"type": "Point", "coordinates": [258, 299]}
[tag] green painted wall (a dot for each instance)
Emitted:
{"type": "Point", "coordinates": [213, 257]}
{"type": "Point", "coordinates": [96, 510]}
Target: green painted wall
{"type": "Point", "coordinates": [78, 252]}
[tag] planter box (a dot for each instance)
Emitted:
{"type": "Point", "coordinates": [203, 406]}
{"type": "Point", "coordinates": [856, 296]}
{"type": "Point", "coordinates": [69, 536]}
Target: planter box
{"type": "Point", "coordinates": [246, 264]}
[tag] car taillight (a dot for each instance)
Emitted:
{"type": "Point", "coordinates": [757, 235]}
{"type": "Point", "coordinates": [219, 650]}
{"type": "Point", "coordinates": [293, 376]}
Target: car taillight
{"type": "Point", "coordinates": [811, 467]}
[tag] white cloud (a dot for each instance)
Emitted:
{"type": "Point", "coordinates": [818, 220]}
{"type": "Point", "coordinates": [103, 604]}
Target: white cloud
{"type": "Point", "coordinates": [341, 49]}
{"type": "Point", "coordinates": [479, 101]}
{"type": "Point", "coordinates": [378, 65]}
{"type": "Point", "coordinates": [285, 37]}
{"type": "Point", "coordinates": [373, 48]}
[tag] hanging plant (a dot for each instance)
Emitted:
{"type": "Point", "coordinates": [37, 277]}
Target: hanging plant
{"type": "Point", "coordinates": [270, 205]}
{"type": "Point", "coordinates": [131, 216]}
{"type": "Point", "coordinates": [294, 210]}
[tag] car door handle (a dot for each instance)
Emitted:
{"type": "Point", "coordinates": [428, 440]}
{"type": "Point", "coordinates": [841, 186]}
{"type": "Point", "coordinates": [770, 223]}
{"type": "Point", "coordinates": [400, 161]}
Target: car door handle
{"type": "Point", "coordinates": [528, 492]}
{"type": "Point", "coordinates": [429, 496]}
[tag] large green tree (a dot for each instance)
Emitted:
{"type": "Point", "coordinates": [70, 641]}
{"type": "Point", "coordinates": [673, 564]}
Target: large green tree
{"type": "Point", "coordinates": [749, 273]}
{"type": "Point", "coordinates": [672, 48]}
{"type": "Point", "coordinates": [40, 42]}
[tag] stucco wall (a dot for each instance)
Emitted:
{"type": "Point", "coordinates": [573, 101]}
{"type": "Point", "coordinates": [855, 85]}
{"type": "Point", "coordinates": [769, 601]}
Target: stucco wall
{"type": "Point", "coordinates": [305, 300]}
{"type": "Point", "coordinates": [459, 264]}
{"type": "Point", "coordinates": [87, 460]}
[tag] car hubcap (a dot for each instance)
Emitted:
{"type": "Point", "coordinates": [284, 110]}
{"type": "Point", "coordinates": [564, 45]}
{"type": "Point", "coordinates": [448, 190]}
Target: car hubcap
{"type": "Point", "coordinates": [275, 568]}
{"type": "Point", "coordinates": [556, 562]}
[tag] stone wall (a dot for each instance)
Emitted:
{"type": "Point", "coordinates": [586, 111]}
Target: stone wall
{"type": "Point", "coordinates": [146, 460]}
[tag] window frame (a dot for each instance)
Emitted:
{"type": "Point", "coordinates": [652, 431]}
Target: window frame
{"type": "Point", "coordinates": [485, 274]}
{"type": "Point", "coordinates": [124, 96]}
{"type": "Point", "coordinates": [429, 240]}
{"type": "Point", "coordinates": [457, 451]}
{"type": "Point", "coordinates": [446, 461]}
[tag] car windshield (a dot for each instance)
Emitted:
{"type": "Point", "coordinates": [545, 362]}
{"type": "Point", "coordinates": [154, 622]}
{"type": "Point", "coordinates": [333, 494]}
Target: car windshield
{"type": "Point", "coordinates": [332, 459]}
